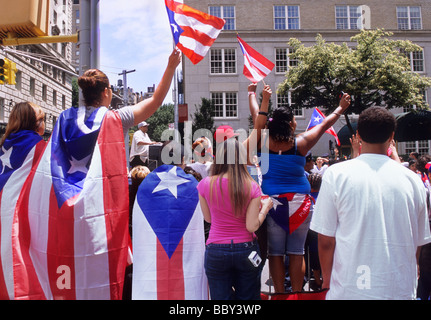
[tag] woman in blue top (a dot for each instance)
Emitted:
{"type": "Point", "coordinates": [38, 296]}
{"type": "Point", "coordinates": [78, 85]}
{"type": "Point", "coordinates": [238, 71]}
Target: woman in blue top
{"type": "Point", "coordinates": [286, 182]}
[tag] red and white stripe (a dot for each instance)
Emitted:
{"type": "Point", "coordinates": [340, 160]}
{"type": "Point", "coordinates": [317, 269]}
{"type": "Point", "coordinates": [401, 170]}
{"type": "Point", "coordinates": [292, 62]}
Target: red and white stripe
{"type": "Point", "coordinates": [78, 251]}
{"type": "Point", "coordinates": [155, 276]}
{"type": "Point", "coordinates": [256, 66]}
{"type": "Point", "coordinates": [200, 30]}
{"type": "Point", "coordinates": [8, 220]}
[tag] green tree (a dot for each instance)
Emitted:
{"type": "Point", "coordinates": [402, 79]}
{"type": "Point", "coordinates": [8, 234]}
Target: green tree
{"type": "Point", "coordinates": [374, 72]}
{"type": "Point", "coordinates": [75, 92]}
{"type": "Point", "coordinates": [203, 117]}
{"type": "Point", "coordinates": [160, 121]}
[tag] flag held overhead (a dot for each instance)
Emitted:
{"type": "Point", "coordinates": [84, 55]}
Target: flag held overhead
{"type": "Point", "coordinates": [256, 66]}
{"type": "Point", "coordinates": [316, 118]}
{"type": "Point", "coordinates": [194, 31]}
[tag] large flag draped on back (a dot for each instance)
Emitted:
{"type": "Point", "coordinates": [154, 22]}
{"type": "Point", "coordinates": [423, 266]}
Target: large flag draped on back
{"type": "Point", "coordinates": [317, 118]}
{"type": "Point", "coordinates": [194, 31]}
{"type": "Point", "coordinates": [19, 154]}
{"type": "Point", "coordinates": [168, 238]}
{"type": "Point", "coordinates": [74, 212]}
{"type": "Point", "coordinates": [256, 66]}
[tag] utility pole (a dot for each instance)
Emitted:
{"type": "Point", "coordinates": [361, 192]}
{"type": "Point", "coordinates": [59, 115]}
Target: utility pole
{"type": "Point", "coordinates": [89, 39]}
{"type": "Point", "coordinates": [125, 88]}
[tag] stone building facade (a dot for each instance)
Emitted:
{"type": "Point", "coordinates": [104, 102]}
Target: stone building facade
{"type": "Point", "coordinates": [45, 71]}
{"type": "Point", "coordinates": [268, 25]}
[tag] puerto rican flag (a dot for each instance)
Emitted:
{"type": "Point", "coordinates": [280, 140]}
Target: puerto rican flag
{"type": "Point", "coordinates": [256, 66]}
{"type": "Point", "coordinates": [316, 118]}
{"type": "Point", "coordinates": [19, 154]}
{"type": "Point", "coordinates": [194, 31]}
{"type": "Point", "coordinates": [74, 213]}
{"type": "Point", "coordinates": [290, 210]}
{"type": "Point", "coordinates": [169, 240]}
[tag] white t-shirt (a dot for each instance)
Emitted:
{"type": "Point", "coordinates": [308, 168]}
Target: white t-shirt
{"type": "Point", "coordinates": [139, 150]}
{"type": "Point", "coordinates": [376, 210]}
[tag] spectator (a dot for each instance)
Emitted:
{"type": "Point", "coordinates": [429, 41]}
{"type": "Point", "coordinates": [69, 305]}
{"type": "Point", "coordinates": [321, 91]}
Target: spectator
{"type": "Point", "coordinates": [230, 201]}
{"type": "Point", "coordinates": [286, 181]}
{"type": "Point", "coordinates": [371, 218]}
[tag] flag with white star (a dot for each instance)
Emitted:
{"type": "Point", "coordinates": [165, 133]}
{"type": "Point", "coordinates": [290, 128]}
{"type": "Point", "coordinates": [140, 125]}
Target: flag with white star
{"type": "Point", "coordinates": [290, 210]}
{"type": "Point", "coordinates": [316, 119]}
{"type": "Point", "coordinates": [77, 211]}
{"type": "Point", "coordinates": [168, 238]}
{"type": "Point", "coordinates": [18, 155]}
{"type": "Point", "coordinates": [194, 31]}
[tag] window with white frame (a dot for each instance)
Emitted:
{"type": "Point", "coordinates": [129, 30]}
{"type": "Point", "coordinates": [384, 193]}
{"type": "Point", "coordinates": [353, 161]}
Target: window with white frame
{"type": "Point", "coordinates": [283, 60]}
{"type": "Point", "coordinates": [286, 18]}
{"type": "Point", "coordinates": [286, 101]}
{"type": "Point", "coordinates": [223, 61]}
{"type": "Point", "coordinates": [225, 104]}
{"type": "Point", "coordinates": [225, 12]}
{"type": "Point", "coordinates": [416, 60]}
{"type": "Point", "coordinates": [421, 147]}
{"type": "Point", "coordinates": [409, 18]}
{"type": "Point", "coordinates": [348, 17]}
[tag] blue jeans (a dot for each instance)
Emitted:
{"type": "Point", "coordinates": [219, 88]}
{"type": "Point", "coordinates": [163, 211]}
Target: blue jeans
{"type": "Point", "coordinates": [227, 266]}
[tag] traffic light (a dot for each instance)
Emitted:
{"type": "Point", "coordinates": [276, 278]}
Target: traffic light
{"type": "Point", "coordinates": [7, 72]}
{"type": "Point", "coordinates": [12, 73]}
{"type": "Point", "coordinates": [4, 71]}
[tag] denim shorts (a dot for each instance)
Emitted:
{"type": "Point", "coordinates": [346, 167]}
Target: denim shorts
{"type": "Point", "coordinates": [227, 266]}
{"type": "Point", "coordinates": [281, 242]}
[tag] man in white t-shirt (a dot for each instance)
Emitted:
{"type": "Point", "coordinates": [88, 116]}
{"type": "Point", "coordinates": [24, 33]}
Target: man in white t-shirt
{"type": "Point", "coordinates": [371, 217]}
{"type": "Point", "coordinates": [140, 145]}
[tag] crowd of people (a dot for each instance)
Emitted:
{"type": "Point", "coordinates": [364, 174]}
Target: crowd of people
{"type": "Point", "coordinates": [366, 221]}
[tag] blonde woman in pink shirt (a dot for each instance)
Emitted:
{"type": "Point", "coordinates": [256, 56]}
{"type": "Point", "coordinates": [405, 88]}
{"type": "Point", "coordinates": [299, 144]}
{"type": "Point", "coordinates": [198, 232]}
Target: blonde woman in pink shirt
{"type": "Point", "coordinates": [231, 202]}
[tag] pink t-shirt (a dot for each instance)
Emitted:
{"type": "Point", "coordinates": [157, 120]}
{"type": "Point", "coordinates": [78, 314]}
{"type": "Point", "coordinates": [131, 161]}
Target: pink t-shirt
{"type": "Point", "coordinates": [224, 225]}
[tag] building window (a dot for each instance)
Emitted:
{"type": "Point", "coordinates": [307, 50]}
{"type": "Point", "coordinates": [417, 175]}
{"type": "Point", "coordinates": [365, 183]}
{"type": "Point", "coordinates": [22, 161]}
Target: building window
{"type": "Point", "coordinates": [32, 87]}
{"type": "Point", "coordinates": [223, 61]}
{"type": "Point", "coordinates": [348, 17]}
{"type": "Point", "coordinates": [18, 80]}
{"type": "Point", "coordinates": [44, 92]}
{"type": "Point", "coordinates": [63, 102]}
{"type": "Point", "coordinates": [2, 107]}
{"type": "Point", "coordinates": [421, 147]}
{"type": "Point", "coordinates": [225, 104]}
{"type": "Point", "coordinates": [283, 61]}
{"type": "Point", "coordinates": [54, 98]}
{"type": "Point", "coordinates": [286, 18]}
{"type": "Point", "coordinates": [416, 60]}
{"type": "Point", "coordinates": [409, 18]}
{"type": "Point", "coordinates": [225, 12]}
{"type": "Point", "coordinates": [286, 101]}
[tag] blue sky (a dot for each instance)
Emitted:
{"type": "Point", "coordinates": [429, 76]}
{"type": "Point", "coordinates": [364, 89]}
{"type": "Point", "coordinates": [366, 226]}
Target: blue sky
{"type": "Point", "coordinates": [135, 35]}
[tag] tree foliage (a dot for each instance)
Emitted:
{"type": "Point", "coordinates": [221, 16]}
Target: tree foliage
{"type": "Point", "coordinates": [203, 117]}
{"type": "Point", "coordinates": [160, 121]}
{"type": "Point", "coordinates": [374, 72]}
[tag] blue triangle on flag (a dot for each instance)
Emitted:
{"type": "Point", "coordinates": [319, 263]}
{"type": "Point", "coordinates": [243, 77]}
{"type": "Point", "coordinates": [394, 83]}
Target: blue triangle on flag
{"type": "Point", "coordinates": [168, 207]}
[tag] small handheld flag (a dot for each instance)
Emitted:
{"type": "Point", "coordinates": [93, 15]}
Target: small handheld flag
{"type": "Point", "coordinates": [256, 66]}
{"type": "Point", "coordinates": [317, 118]}
{"type": "Point", "coordinates": [194, 31]}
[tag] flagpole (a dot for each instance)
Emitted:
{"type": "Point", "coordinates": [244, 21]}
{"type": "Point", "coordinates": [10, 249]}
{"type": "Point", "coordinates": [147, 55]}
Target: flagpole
{"type": "Point", "coordinates": [175, 98]}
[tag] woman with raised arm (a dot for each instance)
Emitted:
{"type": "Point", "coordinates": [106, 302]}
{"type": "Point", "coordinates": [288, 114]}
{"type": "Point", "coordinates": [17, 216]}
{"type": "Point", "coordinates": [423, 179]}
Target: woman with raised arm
{"type": "Point", "coordinates": [286, 182]}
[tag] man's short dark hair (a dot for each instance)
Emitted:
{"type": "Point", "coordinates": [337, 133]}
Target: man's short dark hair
{"type": "Point", "coordinates": [376, 125]}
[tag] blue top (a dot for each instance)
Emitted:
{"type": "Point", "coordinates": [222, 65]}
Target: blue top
{"type": "Point", "coordinates": [285, 174]}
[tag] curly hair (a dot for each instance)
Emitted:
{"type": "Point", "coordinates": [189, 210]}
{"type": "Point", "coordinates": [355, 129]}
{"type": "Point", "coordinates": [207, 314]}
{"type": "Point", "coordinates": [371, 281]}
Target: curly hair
{"type": "Point", "coordinates": [376, 124]}
{"type": "Point", "coordinates": [279, 127]}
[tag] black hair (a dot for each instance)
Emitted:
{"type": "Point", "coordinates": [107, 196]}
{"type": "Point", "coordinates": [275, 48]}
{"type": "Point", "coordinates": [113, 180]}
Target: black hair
{"type": "Point", "coordinates": [376, 124]}
{"type": "Point", "coordinates": [279, 127]}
